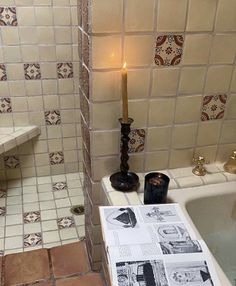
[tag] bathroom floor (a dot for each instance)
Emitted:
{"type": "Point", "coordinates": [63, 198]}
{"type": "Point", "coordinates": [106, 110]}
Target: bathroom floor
{"type": "Point", "coordinates": [65, 265]}
{"type": "Point", "coordinates": [35, 213]}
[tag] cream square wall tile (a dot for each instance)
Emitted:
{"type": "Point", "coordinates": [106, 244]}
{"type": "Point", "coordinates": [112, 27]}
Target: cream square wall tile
{"type": "Point", "coordinates": [192, 80]}
{"type": "Point", "coordinates": [231, 107]}
{"type": "Point", "coordinates": [228, 134]}
{"type": "Point", "coordinates": [139, 15]}
{"type": "Point", "coordinates": [161, 111]}
{"type": "Point", "coordinates": [138, 83]}
{"type": "Point", "coordinates": [209, 152]}
{"type": "Point", "coordinates": [218, 79]}
{"type": "Point", "coordinates": [165, 82]}
{"type": "Point", "coordinates": [159, 138]}
{"type": "Point", "coordinates": [197, 48]}
{"type": "Point", "coordinates": [223, 49]}
{"type": "Point", "coordinates": [183, 136]}
{"type": "Point", "coordinates": [226, 16]}
{"type": "Point", "coordinates": [180, 158]}
{"type": "Point", "coordinates": [107, 16]}
{"type": "Point", "coordinates": [156, 161]}
{"type": "Point", "coordinates": [106, 52]}
{"type": "Point", "coordinates": [201, 15]}
{"type": "Point", "coordinates": [143, 56]}
{"type": "Point", "coordinates": [138, 110]}
{"type": "Point", "coordinates": [176, 11]}
{"type": "Point", "coordinates": [188, 109]}
{"type": "Point", "coordinates": [106, 86]}
{"type": "Point", "coordinates": [233, 82]}
{"type": "Point", "coordinates": [105, 143]}
{"type": "Point", "coordinates": [206, 136]}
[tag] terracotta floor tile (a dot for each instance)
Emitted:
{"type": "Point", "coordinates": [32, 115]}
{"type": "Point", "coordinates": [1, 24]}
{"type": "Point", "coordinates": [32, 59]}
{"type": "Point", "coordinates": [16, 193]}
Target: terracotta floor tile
{"type": "Point", "coordinates": [69, 259]}
{"type": "Point", "coordinates": [0, 269]}
{"type": "Point", "coordinates": [92, 279]}
{"type": "Point", "coordinates": [26, 267]}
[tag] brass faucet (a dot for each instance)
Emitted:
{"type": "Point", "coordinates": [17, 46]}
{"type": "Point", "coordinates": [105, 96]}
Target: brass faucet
{"type": "Point", "coordinates": [199, 170]}
{"type": "Point", "coordinates": [230, 165]}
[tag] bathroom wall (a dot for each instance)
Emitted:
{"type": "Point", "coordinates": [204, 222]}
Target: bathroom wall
{"type": "Point", "coordinates": [181, 86]}
{"type": "Point", "coordinates": [39, 85]}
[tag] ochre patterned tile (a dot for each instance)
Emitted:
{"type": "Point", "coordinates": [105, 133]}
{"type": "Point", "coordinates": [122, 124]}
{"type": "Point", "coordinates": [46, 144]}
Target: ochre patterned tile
{"type": "Point", "coordinates": [59, 186]}
{"type": "Point", "coordinates": [12, 162]}
{"type": "Point", "coordinates": [65, 70]}
{"type": "Point", "coordinates": [32, 239]}
{"type": "Point", "coordinates": [137, 140]}
{"type": "Point", "coordinates": [5, 105]}
{"type": "Point", "coordinates": [52, 117]}
{"type": "Point", "coordinates": [169, 50]}
{"type": "Point", "coordinates": [56, 158]}
{"type": "Point", "coordinates": [32, 71]}
{"type": "Point", "coordinates": [3, 72]}
{"type": "Point", "coordinates": [8, 16]}
{"type": "Point", "coordinates": [65, 222]}
{"type": "Point", "coordinates": [213, 107]}
{"type": "Point", "coordinates": [32, 217]}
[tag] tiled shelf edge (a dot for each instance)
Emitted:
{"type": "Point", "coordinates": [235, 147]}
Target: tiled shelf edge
{"type": "Point", "coordinates": [13, 137]}
{"type": "Point", "coordinates": [179, 179]}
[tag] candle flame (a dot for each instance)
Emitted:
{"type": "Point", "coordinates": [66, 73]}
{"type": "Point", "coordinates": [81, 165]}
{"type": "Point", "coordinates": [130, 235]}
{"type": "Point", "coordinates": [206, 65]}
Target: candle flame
{"type": "Point", "coordinates": [124, 65]}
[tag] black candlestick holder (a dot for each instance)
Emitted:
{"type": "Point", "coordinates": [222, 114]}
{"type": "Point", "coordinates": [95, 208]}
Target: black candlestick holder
{"type": "Point", "coordinates": [124, 180]}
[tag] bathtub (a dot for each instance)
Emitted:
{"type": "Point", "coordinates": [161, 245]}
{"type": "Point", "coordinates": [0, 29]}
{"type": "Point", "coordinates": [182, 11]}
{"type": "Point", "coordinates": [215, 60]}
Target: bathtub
{"type": "Point", "coordinates": [211, 210]}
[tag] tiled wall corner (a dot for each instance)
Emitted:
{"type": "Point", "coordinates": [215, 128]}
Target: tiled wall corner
{"type": "Point", "coordinates": [39, 75]}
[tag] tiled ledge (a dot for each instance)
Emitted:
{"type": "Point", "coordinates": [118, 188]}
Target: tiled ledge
{"type": "Point", "coordinates": [179, 179]}
{"type": "Point", "coordinates": [12, 137]}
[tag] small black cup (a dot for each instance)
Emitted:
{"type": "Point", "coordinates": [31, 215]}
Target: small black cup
{"type": "Point", "coordinates": [155, 188]}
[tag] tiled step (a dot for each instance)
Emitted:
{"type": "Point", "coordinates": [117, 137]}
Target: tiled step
{"type": "Point", "coordinates": [65, 265]}
{"type": "Point", "coordinates": [12, 137]}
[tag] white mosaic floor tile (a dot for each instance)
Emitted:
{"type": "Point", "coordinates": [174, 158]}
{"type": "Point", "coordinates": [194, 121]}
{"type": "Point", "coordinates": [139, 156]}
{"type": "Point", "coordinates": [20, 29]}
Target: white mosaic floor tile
{"type": "Point", "coordinates": [30, 198]}
{"type": "Point", "coordinates": [29, 181]}
{"type": "Point", "coordinates": [14, 192]}
{"type": "Point", "coordinates": [79, 220]}
{"type": "Point", "coordinates": [32, 227]}
{"type": "Point", "coordinates": [60, 195]}
{"type": "Point", "coordinates": [47, 205]}
{"type": "Point", "coordinates": [68, 233]}
{"type": "Point", "coordinates": [81, 231]}
{"type": "Point", "coordinates": [30, 248]}
{"type": "Point", "coordinates": [63, 203]}
{"type": "Point", "coordinates": [2, 202]}
{"type": "Point", "coordinates": [15, 250]}
{"type": "Point", "coordinates": [78, 200]}
{"type": "Point", "coordinates": [14, 229]}
{"type": "Point", "coordinates": [2, 232]}
{"type": "Point", "coordinates": [58, 178]}
{"type": "Point", "coordinates": [75, 192]}
{"type": "Point", "coordinates": [48, 214]}
{"type": "Point", "coordinates": [49, 225]}
{"type": "Point", "coordinates": [52, 244]}
{"type": "Point", "coordinates": [13, 242]}
{"type": "Point", "coordinates": [14, 219]}
{"type": "Point", "coordinates": [45, 188]}
{"type": "Point", "coordinates": [2, 243]}
{"type": "Point", "coordinates": [51, 236]}
{"type": "Point", "coordinates": [73, 176]}
{"type": "Point", "coordinates": [31, 207]}
{"type": "Point", "coordinates": [44, 180]}
{"type": "Point", "coordinates": [63, 212]}
{"type": "Point", "coordinates": [16, 209]}
{"type": "Point", "coordinates": [29, 190]}
{"type": "Point", "coordinates": [45, 196]}
{"type": "Point", "coordinates": [74, 184]}
{"type": "Point", "coordinates": [14, 184]}
{"type": "Point", "coordinates": [69, 241]}
{"type": "Point", "coordinates": [15, 200]}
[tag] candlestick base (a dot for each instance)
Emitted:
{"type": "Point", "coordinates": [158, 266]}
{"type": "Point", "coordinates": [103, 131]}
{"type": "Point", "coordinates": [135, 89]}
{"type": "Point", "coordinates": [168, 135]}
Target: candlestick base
{"type": "Point", "coordinates": [125, 182]}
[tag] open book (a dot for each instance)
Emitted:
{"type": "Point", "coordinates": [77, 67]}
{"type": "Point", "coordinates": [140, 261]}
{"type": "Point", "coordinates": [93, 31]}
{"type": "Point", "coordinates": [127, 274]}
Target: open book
{"type": "Point", "coordinates": [154, 245]}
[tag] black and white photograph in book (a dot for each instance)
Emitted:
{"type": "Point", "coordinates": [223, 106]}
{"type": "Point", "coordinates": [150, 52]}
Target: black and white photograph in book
{"type": "Point", "coordinates": [141, 273]}
{"type": "Point", "coordinates": [172, 232]}
{"type": "Point", "coordinates": [120, 218]}
{"type": "Point", "coordinates": [180, 247]}
{"type": "Point", "coordinates": [152, 214]}
{"type": "Point", "coordinates": [189, 274]}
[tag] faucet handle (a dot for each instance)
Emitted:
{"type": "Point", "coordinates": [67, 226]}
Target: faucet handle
{"type": "Point", "coordinates": [199, 170]}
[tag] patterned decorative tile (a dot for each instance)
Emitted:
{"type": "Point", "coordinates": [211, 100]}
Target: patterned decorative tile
{"type": "Point", "coordinates": [2, 211]}
{"type": "Point", "coordinates": [169, 50]}
{"type": "Point", "coordinates": [137, 140]}
{"type": "Point", "coordinates": [31, 217]}
{"type": "Point", "coordinates": [65, 70]}
{"type": "Point", "coordinates": [32, 71]}
{"type": "Point", "coordinates": [213, 107]}
{"type": "Point", "coordinates": [5, 105]}
{"type": "Point", "coordinates": [56, 158]}
{"type": "Point", "coordinates": [52, 117]}
{"type": "Point", "coordinates": [12, 162]}
{"type": "Point", "coordinates": [65, 222]}
{"type": "Point", "coordinates": [3, 72]}
{"type": "Point", "coordinates": [32, 239]}
{"type": "Point", "coordinates": [8, 16]}
{"type": "Point", "coordinates": [3, 194]}
{"type": "Point", "coordinates": [59, 186]}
